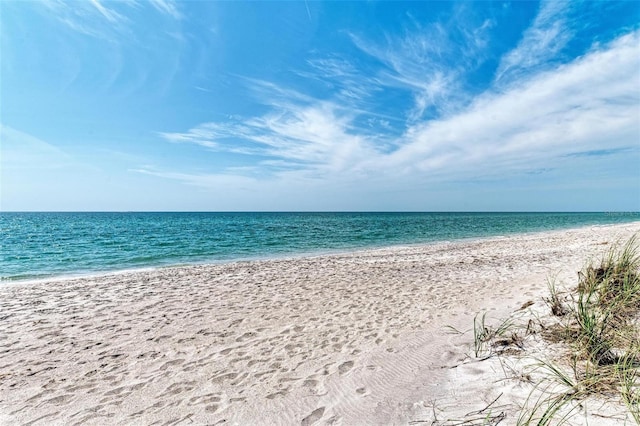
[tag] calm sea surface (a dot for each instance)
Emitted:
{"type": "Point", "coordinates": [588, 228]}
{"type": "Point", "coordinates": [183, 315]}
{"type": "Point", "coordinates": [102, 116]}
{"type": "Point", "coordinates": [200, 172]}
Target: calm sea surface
{"type": "Point", "coordinates": [38, 245]}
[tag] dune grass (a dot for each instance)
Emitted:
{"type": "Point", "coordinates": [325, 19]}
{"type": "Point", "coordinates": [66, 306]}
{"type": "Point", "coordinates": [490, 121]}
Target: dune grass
{"type": "Point", "coordinates": [597, 325]}
{"type": "Point", "coordinates": [608, 303]}
{"type": "Point", "coordinates": [486, 338]}
{"type": "Point", "coordinates": [600, 323]}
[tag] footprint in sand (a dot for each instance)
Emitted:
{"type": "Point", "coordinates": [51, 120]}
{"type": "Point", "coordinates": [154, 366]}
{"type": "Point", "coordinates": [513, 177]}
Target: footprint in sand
{"type": "Point", "coordinates": [282, 392]}
{"type": "Point", "coordinates": [362, 391]}
{"type": "Point", "coordinates": [225, 376]}
{"type": "Point", "coordinates": [315, 386]}
{"type": "Point", "coordinates": [62, 399]}
{"type": "Point", "coordinates": [226, 351]}
{"type": "Point", "coordinates": [345, 367]}
{"type": "Point", "coordinates": [205, 399]}
{"type": "Point", "coordinates": [313, 417]}
{"type": "Point", "coordinates": [212, 408]}
{"type": "Point", "coordinates": [246, 336]}
{"type": "Point", "coordinates": [168, 364]}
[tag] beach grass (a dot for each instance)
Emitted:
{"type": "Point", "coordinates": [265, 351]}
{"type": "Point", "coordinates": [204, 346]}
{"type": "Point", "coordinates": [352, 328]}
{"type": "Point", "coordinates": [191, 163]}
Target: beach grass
{"type": "Point", "coordinates": [599, 323]}
{"type": "Point", "coordinates": [490, 339]}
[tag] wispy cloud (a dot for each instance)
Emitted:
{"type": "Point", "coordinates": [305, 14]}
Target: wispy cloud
{"type": "Point", "coordinates": [109, 14]}
{"type": "Point", "coordinates": [314, 138]}
{"type": "Point", "coordinates": [167, 7]}
{"type": "Point", "coordinates": [347, 81]}
{"type": "Point", "coordinates": [414, 63]}
{"type": "Point", "coordinates": [103, 19]}
{"type": "Point", "coordinates": [202, 180]}
{"type": "Point", "coordinates": [600, 152]}
{"type": "Point", "coordinates": [589, 105]}
{"type": "Point", "coordinates": [431, 61]}
{"type": "Point", "coordinates": [203, 135]}
{"type": "Point", "coordinates": [92, 18]}
{"type": "Point", "coordinates": [541, 42]}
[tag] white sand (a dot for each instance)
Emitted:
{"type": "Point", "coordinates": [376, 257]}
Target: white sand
{"type": "Point", "coordinates": [347, 339]}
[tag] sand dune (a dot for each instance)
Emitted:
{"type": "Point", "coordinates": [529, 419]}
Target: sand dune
{"type": "Point", "coordinates": [356, 338]}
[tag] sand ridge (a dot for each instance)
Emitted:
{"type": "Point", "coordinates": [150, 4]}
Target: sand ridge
{"type": "Point", "coordinates": [354, 338]}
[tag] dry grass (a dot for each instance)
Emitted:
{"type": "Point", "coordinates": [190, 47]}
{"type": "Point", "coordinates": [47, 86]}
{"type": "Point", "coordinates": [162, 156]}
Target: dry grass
{"type": "Point", "coordinates": [595, 330]}
{"type": "Point", "coordinates": [489, 340]}
{"type": "Point", "coordinates": [600, 326]}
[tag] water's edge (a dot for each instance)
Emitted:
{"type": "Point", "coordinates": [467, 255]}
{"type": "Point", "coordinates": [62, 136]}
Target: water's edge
{"type": "Point", "coordinates": [294, 256]}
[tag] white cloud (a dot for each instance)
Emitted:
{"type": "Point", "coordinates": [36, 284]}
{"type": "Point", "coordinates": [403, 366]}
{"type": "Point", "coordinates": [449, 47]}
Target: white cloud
{"type": "Point", "coordinates": [541, 42]}
{"type": "Point", "coordinates": [109, 14]}
{"type": "Point", "coordinates": [590, 104]}
{"type": "Point", "coordinates": [332, 67]}
{"type": "Point", "coordinates": [167, 7]}
{"type": "Point", "coordinates": [204, 135]}
{"type": "Point", "coordinates": [94, 18]}
{"type": "Point", "coordinates": [102, 19]}
{"type": "Point", "coordinates": [431, 61]}
{"type": "Point", "coordinates": [203, 180]}
{"type": "Point", "coordinates": [416, 63]}
{"type": "Point", "coordinates": [343, 78]}
{"type": "Point", "coordinates": [314, 138]}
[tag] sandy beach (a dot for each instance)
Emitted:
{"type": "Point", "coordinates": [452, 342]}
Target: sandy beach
{"type": "Point", "coordinates": [358, 338]}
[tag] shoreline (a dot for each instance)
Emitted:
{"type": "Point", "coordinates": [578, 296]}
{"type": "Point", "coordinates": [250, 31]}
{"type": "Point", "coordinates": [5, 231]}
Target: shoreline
{"type": "Point", "coordinates": [288, 256]}
{"type": "Point", "coordinates": [336, 339]}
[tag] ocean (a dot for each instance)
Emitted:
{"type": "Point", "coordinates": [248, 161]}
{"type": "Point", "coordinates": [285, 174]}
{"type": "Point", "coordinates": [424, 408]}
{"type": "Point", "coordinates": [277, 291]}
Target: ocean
{"type": "Point", "coordinates": [41, 245]}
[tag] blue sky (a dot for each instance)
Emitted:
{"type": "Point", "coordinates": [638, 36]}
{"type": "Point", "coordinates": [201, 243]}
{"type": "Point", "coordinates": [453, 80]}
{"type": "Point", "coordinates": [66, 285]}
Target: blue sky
{"type": "Point", "coordinates": [161, 105]}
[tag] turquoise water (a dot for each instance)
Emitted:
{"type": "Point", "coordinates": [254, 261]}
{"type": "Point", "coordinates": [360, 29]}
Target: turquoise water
{"type": "Point", "coordinates": [39, 245]}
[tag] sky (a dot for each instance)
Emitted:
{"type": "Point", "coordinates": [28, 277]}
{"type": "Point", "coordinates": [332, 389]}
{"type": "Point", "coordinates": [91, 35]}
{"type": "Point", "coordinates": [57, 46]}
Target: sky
{"type": "Point", "coordinates": [156, 105]}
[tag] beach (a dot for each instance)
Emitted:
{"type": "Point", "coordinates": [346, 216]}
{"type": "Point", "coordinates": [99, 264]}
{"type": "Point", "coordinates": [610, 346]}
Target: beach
{"type": "Point", "coordinates": [354, 338]}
